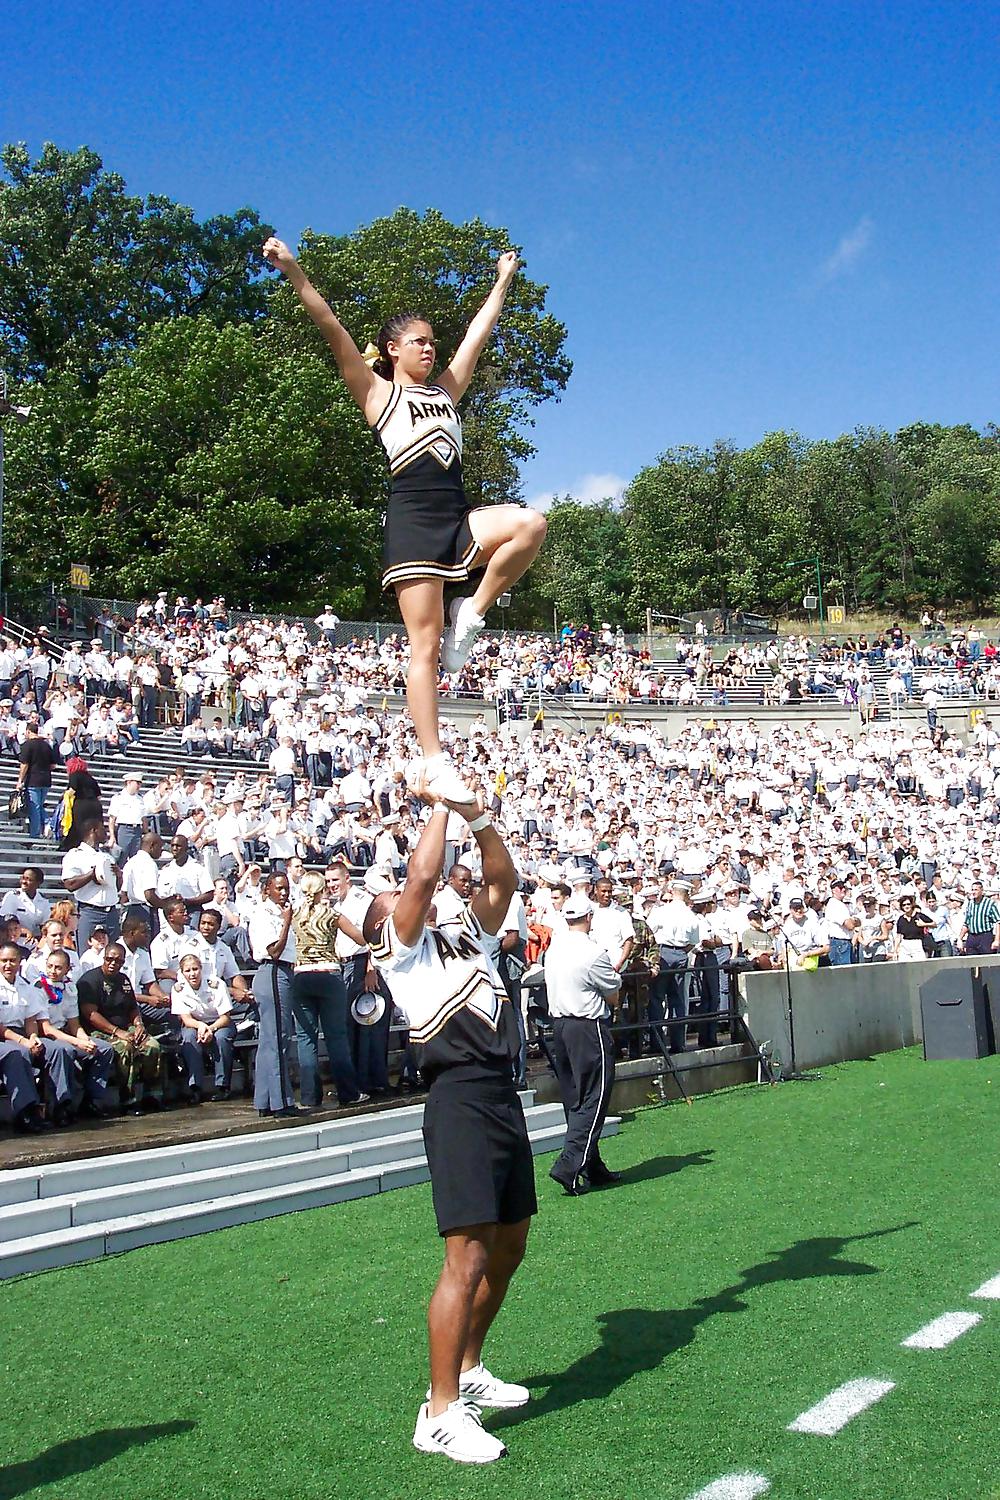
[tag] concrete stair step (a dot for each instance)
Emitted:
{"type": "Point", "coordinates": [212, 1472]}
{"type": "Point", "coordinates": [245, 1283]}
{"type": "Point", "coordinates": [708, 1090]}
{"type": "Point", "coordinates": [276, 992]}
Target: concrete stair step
{"type": "Point", "coordinates": [91, 1174]}
{"type": "Point", "coordinates": [258, 1196]}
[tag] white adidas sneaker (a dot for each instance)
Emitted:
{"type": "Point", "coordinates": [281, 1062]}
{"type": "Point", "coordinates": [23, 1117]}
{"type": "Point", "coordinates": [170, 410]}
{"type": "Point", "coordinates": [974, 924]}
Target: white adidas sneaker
{"type": "Point", "coordinates": [439, 775]}
{"type": "Point", "coordinates": [484, 1389]}
{"type": "Point", "coordinates": [456, 643]}
{"type": "Point", "coordinates": [458, 1433]}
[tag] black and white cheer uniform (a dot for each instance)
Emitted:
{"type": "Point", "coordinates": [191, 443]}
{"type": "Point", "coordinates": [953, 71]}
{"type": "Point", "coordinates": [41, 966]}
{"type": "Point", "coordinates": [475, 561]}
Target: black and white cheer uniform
{"type": "Point", "coordinates": [465, 1038]}
{"type": "Point", "coordinates": [427, 532]}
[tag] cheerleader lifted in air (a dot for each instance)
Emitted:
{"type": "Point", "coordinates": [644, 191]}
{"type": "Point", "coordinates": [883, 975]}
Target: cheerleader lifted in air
{"type": "Point", "coordinates": [432, 536]}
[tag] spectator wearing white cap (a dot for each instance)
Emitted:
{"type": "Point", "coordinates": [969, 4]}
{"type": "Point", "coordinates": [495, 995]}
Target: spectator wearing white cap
{"type": "Point", "coordinates": [327, 622]}
{"type": "Point", "coordinates": [841, 926]}
{"type": "Point", "coordinates": [125, 814]}
{"type": "Point", "coordinates": [388, 855]}
{"type": "Point", "coordinates": [803, 936]}
{"type": "Point", "coordinates": [581, 981]}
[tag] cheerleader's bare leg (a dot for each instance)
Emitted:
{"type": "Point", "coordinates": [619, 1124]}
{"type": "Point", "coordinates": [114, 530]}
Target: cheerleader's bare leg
{"type": "Point", "coordinates": [509, 538]}
{"type": "Point", "coordinates": [421, 603]}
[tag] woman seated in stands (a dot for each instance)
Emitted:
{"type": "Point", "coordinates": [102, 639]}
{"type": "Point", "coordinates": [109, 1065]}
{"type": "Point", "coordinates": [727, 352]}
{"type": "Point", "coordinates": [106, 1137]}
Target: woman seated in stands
{"type": "Point", "coordinates": [203, 1006]}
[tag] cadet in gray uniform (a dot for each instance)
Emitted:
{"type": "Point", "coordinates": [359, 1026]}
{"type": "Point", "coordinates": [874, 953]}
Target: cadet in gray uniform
{"type": "Point", "coordinates": [580, 979]}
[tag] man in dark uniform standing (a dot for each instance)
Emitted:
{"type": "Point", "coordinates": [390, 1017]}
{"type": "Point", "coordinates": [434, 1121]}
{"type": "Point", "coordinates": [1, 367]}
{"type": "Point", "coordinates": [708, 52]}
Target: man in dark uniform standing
{"type": "Point", "coordinates": [465, 1039]}
{"type": "Point", "coordinates": [581, 979]}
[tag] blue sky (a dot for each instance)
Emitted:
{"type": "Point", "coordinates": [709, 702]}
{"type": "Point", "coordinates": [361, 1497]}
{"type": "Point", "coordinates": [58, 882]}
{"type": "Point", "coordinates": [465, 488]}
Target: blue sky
{"type": "Point", "coordinates": [750, 217]}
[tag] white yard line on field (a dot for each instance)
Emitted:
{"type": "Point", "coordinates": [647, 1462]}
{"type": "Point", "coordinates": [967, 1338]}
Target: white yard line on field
{"type": "Point", "coordinates": [734, 1487]}
{"type": "Point", "coordinates": [942, 1331]}
{"type": "Point", "coordinates": [836, 1410]}
{"type": "Point", "coordinates": [990, 1290]}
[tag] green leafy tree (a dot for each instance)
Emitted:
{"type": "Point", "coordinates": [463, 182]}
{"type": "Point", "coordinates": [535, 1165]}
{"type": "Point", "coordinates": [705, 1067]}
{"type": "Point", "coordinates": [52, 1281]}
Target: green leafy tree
{"type": "Point", "coordinates": [583, 570]}
{"type": "Point", "coordinates": [221, 463]}
{"type": "Point", "coordinates": [85, 266]}
{"type": "Point", "coordinates": [679, 517]}
{"type": "Point", "coordinates": [424, 264]}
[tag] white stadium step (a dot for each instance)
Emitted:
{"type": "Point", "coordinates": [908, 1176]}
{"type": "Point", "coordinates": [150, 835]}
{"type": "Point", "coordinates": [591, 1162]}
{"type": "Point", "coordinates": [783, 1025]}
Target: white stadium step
{"type": "Point", "coordinates": [74, 1211]}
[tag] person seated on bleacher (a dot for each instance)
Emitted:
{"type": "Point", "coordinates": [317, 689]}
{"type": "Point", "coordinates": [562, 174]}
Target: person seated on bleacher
{"type": "Point", "coordinates": [124, 716]}
{"type": "Point", "coordinates": [89, 1059]}
{"type": "Point", "coordinates": [108, 1008]}
{"type": "Point", "coordinates": [154, 1002]}
{"type": "Point", "coordinates": [53, 939]}
{"type": "Point", "coordinates": [170, 944]}
{"type": "Point", "coordinates": [21, 1047]}
{"type": "Point", "coordinates": [30, 908]}
{"type": "Point", "coordinates": [194, 738]}
{"type": "Point", "coordinates": [220, 738]}
{"type": "Point", "coordinates": [202, 1005]}
{"type": "Point", "coordinates": [217, 959]}
{"type": "Point", "coordinates": [93, 955]}
{"type": "Point", "coordinates": [232, 932]}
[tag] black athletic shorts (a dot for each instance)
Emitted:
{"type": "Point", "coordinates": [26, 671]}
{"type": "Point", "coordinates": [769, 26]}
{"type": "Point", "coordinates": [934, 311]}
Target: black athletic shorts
{"type": "Point", "coordinates": [479, 1155]}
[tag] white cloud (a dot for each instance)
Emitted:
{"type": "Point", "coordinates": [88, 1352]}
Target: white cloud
{"type": "Point", "coordinates": [851, 248]}
{"type": "Point", "coordinates": [589, 489]}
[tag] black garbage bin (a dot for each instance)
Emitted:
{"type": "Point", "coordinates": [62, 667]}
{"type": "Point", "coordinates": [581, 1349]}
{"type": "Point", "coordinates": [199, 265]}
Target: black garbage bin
{"type": "Point", "coordinates": [955, 1015]}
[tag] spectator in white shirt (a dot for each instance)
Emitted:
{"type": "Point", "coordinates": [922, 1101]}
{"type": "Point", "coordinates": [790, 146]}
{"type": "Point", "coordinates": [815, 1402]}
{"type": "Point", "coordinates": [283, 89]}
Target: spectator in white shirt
{"type": "Point", "coordinates": [183, 876]}
{"type": "Point", "coordinates": [30, 908]}
{"type": "Point", "coordinates": [203, 1007]}
{"type": "Point", "coordinates": [803, 935]}
{"type": "Point", "coordinates": [89, 875]}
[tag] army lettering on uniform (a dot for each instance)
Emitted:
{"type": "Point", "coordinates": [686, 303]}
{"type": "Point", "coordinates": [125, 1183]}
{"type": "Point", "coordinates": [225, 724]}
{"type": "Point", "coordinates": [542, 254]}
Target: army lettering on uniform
{"type": "Point", "coordinates": [420, 410]}
{"type": "Point", "coordinates": [461, 947]}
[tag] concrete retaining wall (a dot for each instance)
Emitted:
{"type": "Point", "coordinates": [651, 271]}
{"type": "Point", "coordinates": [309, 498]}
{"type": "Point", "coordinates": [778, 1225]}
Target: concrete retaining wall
{"type": "Point", "coordinates": [581, 716]}
{"type": "Point", "coordinates": [843, 1013]}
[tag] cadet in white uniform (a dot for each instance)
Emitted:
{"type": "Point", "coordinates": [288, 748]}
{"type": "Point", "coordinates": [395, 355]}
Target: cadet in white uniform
{"type": "Point", "coordinates": [21, 1048]}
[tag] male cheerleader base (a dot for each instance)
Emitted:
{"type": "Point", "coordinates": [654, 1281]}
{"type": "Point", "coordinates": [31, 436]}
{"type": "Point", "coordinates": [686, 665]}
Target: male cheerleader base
{"type": "Point", "coordinates": [465, 1036]}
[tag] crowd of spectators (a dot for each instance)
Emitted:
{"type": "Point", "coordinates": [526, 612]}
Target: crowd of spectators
{"type": "Point", "coordinates": [786, 845]}
{"type": "Point", "coordinates": [243, 689]}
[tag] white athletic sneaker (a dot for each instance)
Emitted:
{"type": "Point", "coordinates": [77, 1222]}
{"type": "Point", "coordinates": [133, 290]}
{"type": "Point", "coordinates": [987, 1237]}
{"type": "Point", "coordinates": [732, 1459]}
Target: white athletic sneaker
{"type": "Point", "coordinates": [484, 1389]}
{"type": "Point", "coordinates": [439, 775]}
{"type": "Point", "coordinates": [456, 643]}
{"type": "Point", "coordinates": [458, 1433]}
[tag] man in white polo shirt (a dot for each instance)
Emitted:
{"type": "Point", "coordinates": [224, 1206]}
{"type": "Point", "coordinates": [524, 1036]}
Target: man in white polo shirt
{"type": "Point", "coordinates": [89, 875]}
{"type": "Point", "coordinates": [184, 877]}
{"type": "Point", "coordinates": [30, 909]}
{"type": "Point", "coordinates": [581, 981]}
{"type": "Point", "coordinates": [125, 814]}
{"type": "Point", "coordinates": [611, 927]}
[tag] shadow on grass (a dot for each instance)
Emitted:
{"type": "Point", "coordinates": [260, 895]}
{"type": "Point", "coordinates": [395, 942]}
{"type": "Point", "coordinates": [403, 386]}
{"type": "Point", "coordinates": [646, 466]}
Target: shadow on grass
{"type": "Point", "coordinates": [665, 1166]}
{"type": "Point", "coordinates": [79, 1455]}
{"type": "Point", "coordinates": [636, 1339]}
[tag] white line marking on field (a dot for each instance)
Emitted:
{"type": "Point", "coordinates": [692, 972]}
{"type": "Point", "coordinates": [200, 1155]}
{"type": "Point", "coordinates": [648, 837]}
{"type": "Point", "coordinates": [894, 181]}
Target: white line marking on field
{"type": "Point", "coordinates": [989, 1290]}
{"type": "Point", "coordinates": [943, 1331]}
{"type": "Point", "coordinates": [734, 1487]}
{"type": "Point", "coordinates": [836, 1410]}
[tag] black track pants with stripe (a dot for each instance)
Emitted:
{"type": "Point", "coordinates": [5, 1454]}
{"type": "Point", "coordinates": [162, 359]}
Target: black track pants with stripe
{"type": "Point", "coordinates": [585, 1067]}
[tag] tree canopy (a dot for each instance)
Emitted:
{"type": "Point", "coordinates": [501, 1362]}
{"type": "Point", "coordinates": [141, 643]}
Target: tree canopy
{"type": "Point", "coordinates": [189, 430]}
{"type": "Point", "coordinates": [85, 266]}
{"type": "Point", "coordinates": [189, 427]}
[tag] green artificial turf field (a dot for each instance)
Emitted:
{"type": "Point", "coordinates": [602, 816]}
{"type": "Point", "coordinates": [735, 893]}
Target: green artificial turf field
{"type": "Point", "coordinates": [768, 1246]}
